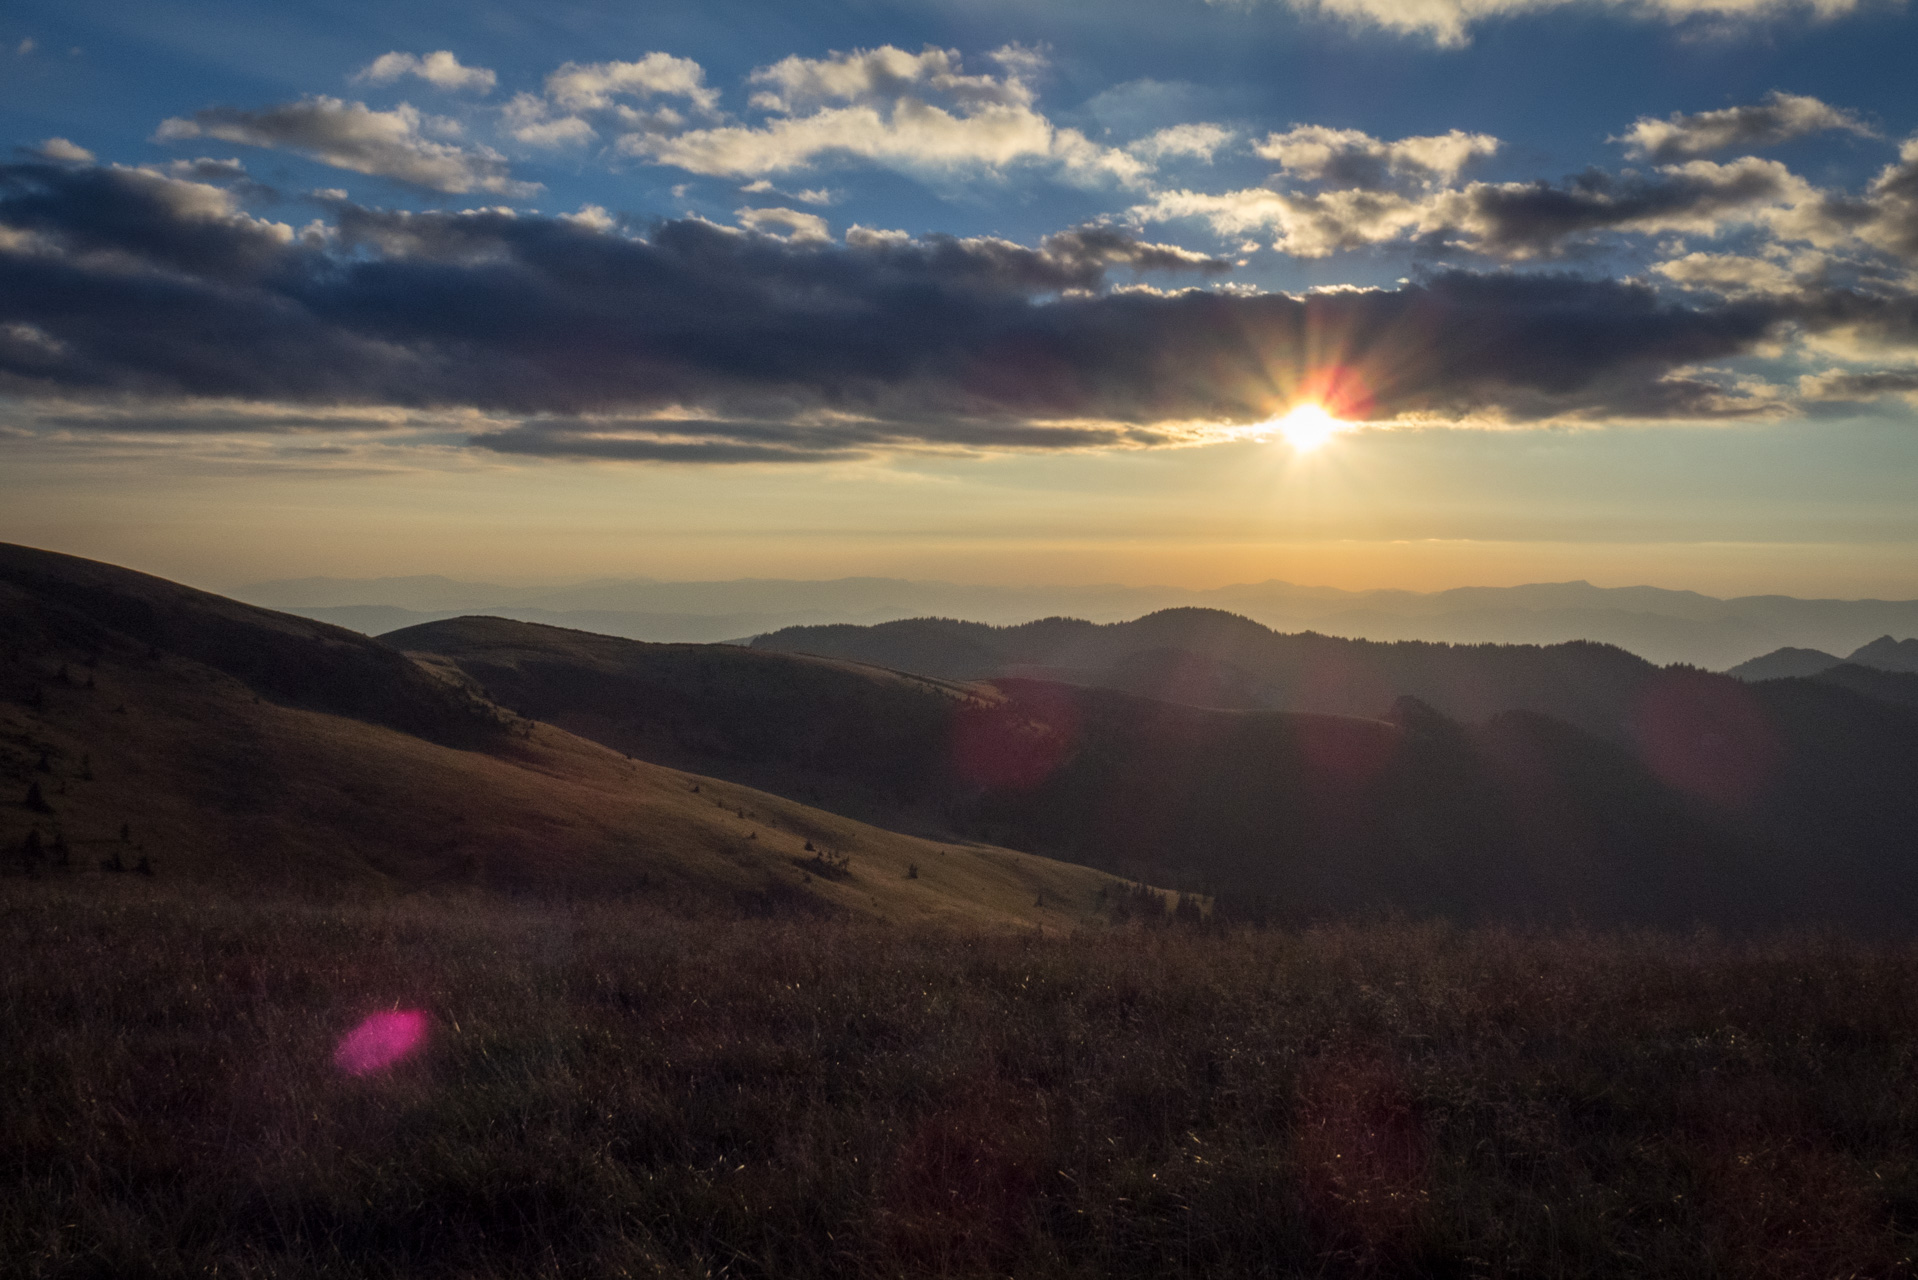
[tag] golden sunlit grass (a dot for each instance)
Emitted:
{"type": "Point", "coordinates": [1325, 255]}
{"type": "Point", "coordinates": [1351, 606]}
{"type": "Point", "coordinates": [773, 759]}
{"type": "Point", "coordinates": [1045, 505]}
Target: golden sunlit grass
{"type": "Point", "coordinates": [220, 787]}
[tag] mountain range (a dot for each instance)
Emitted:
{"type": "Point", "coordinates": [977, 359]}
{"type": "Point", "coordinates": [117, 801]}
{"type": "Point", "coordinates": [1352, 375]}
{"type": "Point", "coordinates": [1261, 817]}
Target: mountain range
{"type": "Point", "coordinates": [935, 770]}
{"type": "Point", "coordinates": [1517, 783]}
{"type": "Point", "coordinates": [1661, 625]}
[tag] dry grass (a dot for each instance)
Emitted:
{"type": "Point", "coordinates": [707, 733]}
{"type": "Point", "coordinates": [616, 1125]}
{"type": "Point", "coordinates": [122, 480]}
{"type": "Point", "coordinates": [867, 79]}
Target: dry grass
{"type": "Point", "coordinates": [615, 1089]}
{"type": "Point", "coordinates": [220, 786]}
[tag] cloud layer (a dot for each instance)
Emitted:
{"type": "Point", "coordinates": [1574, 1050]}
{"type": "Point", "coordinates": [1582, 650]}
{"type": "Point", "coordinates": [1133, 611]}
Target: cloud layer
{"type": "Point", "coordinates": [698, 342]}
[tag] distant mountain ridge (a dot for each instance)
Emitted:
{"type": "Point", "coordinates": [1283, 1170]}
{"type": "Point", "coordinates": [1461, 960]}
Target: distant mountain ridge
{"type": "Point", "coordinates": [1660, 625]}
{"type": "Point", "coordinates": [1882, 654]}
{"type": "Point", "coordinates": [1687, 797]}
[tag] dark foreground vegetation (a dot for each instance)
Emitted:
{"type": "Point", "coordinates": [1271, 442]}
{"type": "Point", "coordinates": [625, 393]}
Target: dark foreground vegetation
{"type": "Point", "coordinates": [622, 1090]}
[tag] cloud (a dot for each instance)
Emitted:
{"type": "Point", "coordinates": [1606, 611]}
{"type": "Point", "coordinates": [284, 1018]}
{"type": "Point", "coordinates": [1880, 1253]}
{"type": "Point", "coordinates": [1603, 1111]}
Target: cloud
{"type": "Point", "coordinates": [61, 151]}
{"type": "Point", "coordinates": [594, 86]}
{"type": "Point", "coordinates": [350, 135]}
{"type": "Point", "coordinates": [1349, 158]}
{"type": "Point", "coordinates": [1780, 118]}
{"type": "Point", "coordinates": [917, 113]}
{"type": "Point", "coordinates": [1730, 274]}
{"type": "Point", "coordinates": [1512, 221]}
{"type": "Point", "coordinates": [533, 121]}
{"type": "Point", "coordinates": [1856, 388]}
{"type": "Point", "coordinates": [440, 69]}
{"type": "Point", "coordinates": [1185, 141]}
{"type": "Point", "coordinates": [705, 343]}
{"type": "Point", "coordinates": [799, 226]}
{"type": "Point", "coordinates": [1449, 23]}
{"type": "Point", "coordinates": [26, 47]}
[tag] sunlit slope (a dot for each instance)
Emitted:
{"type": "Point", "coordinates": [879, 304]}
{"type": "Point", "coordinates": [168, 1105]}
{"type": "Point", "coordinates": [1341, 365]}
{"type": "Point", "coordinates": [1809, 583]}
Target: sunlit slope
{"type": "Point", "coordinates": [858, 739]}
{"type": "Point", "coordinates": [215, 778]}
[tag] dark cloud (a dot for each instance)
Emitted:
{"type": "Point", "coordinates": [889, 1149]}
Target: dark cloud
{"type": "Point", "coordinates": [350, 135]}
{"type": "Point", "coordinates": [1858, 387]}
{"type": "Point", "coordinates": [1538, 219]}
{"type": "Point", "coordinates": [125, 283]}
{"type": "Point", "coordinates": [1779, 118]}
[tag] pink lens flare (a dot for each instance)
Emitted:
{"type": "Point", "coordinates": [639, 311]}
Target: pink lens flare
{"type": "Point", "coordinates": [381, 1041]}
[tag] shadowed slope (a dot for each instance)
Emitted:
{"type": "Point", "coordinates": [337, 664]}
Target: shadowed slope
{"type": "Point", "coordinates": [215, 780]}
{"type": "Point", "coordinates": [1730, 803]}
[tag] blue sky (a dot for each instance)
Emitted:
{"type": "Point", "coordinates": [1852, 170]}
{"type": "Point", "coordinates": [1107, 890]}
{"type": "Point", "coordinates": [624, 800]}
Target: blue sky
{"type": "Point", "coordinates": [1029, 263]}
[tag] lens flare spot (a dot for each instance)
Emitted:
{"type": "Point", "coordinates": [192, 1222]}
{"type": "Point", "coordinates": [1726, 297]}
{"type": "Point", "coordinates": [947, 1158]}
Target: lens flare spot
{"type": "Point", "coordinates": [1308, 426]}
{"type": "Point", "coordinates": [381, 1041]}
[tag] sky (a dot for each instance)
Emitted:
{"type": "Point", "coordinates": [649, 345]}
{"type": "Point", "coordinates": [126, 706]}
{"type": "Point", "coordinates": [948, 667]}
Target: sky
{"type": "Point", "coordinates": [1359, 293]}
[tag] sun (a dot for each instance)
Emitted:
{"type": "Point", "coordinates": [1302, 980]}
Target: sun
{"type": "Point", "coordinates": [1307, 426]}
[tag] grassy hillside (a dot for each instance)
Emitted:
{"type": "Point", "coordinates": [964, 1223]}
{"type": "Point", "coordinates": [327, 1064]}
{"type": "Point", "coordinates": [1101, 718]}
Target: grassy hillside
{"type": "Point", "coordinates": [621, 1091]}
{"type": "Point", "coordinates": [208, 756]}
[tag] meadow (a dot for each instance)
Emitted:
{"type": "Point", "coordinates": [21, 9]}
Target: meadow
{"type": "Point", "coordinates": [627, 1088]}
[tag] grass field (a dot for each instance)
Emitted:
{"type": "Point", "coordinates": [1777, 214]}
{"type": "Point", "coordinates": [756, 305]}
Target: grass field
{"type": "Point", "coordinates": [614, 1089]}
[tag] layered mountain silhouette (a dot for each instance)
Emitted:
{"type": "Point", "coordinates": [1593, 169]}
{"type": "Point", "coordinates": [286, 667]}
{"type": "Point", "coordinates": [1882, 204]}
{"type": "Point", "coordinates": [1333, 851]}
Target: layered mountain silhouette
{"type": "Point", "coordinates": [1661, 625]}
{"type": "Point", "coordinates": [1882, 654]}
{"type": "Point", "coordinates": [1571, 782]}
{"type": "Point", "coordinates": [146, 724]}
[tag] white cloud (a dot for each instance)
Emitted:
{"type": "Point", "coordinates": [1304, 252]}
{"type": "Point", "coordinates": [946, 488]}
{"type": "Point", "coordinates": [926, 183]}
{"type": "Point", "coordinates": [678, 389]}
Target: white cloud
{"type": "Point", "coordinates": [59, 149]}
{"type": "Point", "coordinates": [440, 69]}
{"type": "Point", "coordinates": [533, 121]}
{"type": "Point", "coordinates": [917, 113]}
{"type": "Point", "coordinates": [890, 73]}
{"type": "Point", "coordinates": [1449, 22]}
{"type": "Point", "coordinates": [1780, 118]}
{"type": "Point", "coordinates": [1350, 158]}
{"type": "Point", "coordinates": [350, 135]}
{"type": "Point", "coordinates": [1730, 274]}
{"type": "Point", "coordinates": [1193, 141]}
{"type": "Point", "coordinates": [592, 216]}
{"type": "Point", "coordinates": [800, 226]}
{"type": "Point", "coordinates": [582, 86]}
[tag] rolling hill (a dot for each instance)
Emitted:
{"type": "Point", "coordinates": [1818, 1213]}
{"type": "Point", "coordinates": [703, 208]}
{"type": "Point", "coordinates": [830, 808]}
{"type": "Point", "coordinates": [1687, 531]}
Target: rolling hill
{"type": "Point", "coordinates": [234, 746]}
{"type": "Point", "coordinates": [1210, 658]}
{"type": "Point", "coordinates": [1661, 625]}
{"type": "Point", "coordinates": [1709, 800]}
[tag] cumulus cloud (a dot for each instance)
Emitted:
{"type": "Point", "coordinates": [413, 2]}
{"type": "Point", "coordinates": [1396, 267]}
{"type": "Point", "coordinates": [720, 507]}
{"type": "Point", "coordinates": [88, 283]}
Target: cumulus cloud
{"type": "Point", "coordinates": [1350, 158]}
{"type": "Point", "coordinates": [575, 338]}
{"type": "Point", "coordinates": [1183, 141]}
{"type": "Point", "coordinates": [1779, 118]}
{"type": "Point", "coordinates": [350, 135]}
{"type": "Point", "coordinates": [61, 151]}
{"type": "Point", "coordinates": [918, 113]}
{"type": "Point", "coordinates": [440, 69]}
{"type": "Point", "coordinates": [798, 226]}
{"type": "Point", "coordinates": [1730, 274]}
{"type": "Point", "coordinates": [534, 121]}
{"type": "Point", "coordinates": [1450, 22]}
{"type": "Point", "coordinates": [1513, 220]}
{"type": "Point", "coordinates": [595, 86]}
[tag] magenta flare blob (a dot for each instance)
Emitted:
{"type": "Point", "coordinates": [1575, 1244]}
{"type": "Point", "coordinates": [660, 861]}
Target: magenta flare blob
{"type": "Point", "coordinates": [381, 1041]}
